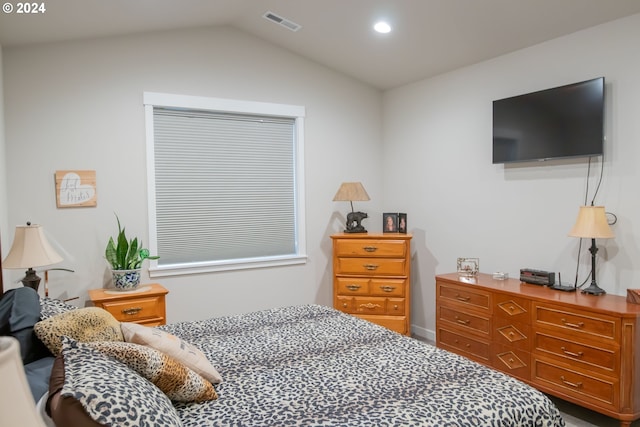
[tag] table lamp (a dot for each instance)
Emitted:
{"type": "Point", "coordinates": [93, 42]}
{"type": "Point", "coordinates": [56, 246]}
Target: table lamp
{"type": "Point", "coordinates": [592, 224]}
{"type": "Point", "coordinates": [350, 192]}
{"type": "Point", "coordinates": [30, 249]}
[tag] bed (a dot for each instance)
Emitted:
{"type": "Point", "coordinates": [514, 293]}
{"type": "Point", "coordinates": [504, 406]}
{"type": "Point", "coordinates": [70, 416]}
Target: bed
{"type": "Point", "coordinates": [312, 365]}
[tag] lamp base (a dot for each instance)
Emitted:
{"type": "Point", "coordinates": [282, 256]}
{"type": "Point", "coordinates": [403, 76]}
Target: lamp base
{"type": "Point", "coordinates": [31, 279]}
{"type": "Point", "coordinates": [353, 222]}
{"type": "Point", "coordinates": [594, 289]}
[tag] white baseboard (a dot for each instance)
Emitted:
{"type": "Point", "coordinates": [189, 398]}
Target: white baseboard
{"type": "Point", "coordinates": [423, 333]}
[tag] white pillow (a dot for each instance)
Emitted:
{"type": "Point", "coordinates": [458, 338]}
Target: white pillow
{"type": "Point", "coordinates": [172, 346]}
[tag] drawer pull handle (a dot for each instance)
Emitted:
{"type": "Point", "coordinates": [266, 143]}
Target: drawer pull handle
{"type": "Point", "coordinates": [131, 311]}
{"type": "Point", "coordinates": [353, 287]}
{"type": "Point", "coordinates": [578, 325]}
{"type": "Point", "coordinates": [370, 306]}
{"type": "Point", "coordinates": [462, 321]}
{"type": "Point", "coordinates": [569, 383]}
{"type": "Point", "coordinates": [461, 298]}
{"type": "Point", "coordinates": [387, 288]}
{"type": "Point", "coordinates": [370, 248]}
{"type": "Point", "coordinates": [371, 266]}
{"type": "Point", "coordinates": [570, 353]}
{"type": "Point", "coordinates": [511, 308]}
{"type": "Point", "coordinates": [395, 307]}
{"type": "Point", "coordinates": [344, 305]}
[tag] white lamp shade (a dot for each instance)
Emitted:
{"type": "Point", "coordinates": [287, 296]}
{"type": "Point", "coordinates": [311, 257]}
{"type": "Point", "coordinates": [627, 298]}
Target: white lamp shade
{"type": "Point", "coordinates": [17, 407]}
{"type": "Point", "coordinates": [30, 249]}
{"type": "Point", "coordinates": [592, 224]}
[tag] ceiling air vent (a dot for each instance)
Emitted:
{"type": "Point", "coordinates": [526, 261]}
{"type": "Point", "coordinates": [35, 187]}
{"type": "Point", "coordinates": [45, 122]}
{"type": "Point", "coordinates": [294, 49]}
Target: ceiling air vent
{"type": "Point", "coordinates": [282, 21]}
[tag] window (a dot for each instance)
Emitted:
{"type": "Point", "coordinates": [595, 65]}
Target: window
{"type": "Point", "coordinates": [225, 184]}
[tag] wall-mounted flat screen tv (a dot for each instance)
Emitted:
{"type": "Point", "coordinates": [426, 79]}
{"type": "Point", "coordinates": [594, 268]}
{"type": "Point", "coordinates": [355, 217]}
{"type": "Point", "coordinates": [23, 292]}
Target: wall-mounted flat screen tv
{"type": "Point", "coordinates": [565, 121]}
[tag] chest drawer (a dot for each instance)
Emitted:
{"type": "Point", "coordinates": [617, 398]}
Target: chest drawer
{"type": "Point", "coordinates": [370, 248]}
{"type": "Point", "coordinates": [352, 286]}
{"type": "Point", "coordinates": [472, 348]}
{"type": "Point", "coordinates": [463, 295]}
{"type": "Point", "coordinates": [371, 305]}
{"type": "Point", "coordinates": [512, 307]}
{"type": "Point", "coordinates": [576, 352]}
{"type": "Point", "coordinates": [580, 385]}
{"type": "Point", "coordinates": [468, 321]}
{"type": "Point", "coordinates": [574, 322]}
{"type": "Point", "coordinates": [135, 310]}
{"type": "Point", "coordinates": [516, 334]}
{"type": "Point", "coordinates": [371, 266]}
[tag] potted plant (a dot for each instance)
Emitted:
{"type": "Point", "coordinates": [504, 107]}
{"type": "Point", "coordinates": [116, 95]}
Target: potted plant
{"type": "Point", "coordinates": [125, 257]}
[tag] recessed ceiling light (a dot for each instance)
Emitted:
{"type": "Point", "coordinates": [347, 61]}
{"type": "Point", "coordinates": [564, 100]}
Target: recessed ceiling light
{"type": "Point", "coordinates": [382, 27]}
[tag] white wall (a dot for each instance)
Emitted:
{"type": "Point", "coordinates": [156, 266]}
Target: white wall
{"type": "Point", "coordinates": [5, 234]}
{"type": "Point", "coordinates": [78, 105]}
{"type": "Point", "coordinates": [437, 146]}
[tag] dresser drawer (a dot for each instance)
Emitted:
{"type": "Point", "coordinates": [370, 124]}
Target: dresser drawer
{"type": "Point", "coordinates": [572, 352]}
{"type": "Point", "coordinates": [512, 361]}
{"type": "Point", "coordinates": [468, 321]}
{"type": "Point", "coordinates": [136, 310]}
{"type": "Point", "coordinates": [470, 347]}
{"type": "Point", "coordinates": [574, 322]}
{"type": "Point", "coordinates": [464, 296]}
{"type": "Point", "coordinates": [370, 248]}
{"type": "Point", "coordinates": [516, 334]}
{"type": "Point", "coordinates": [388, 287]}
{"type": "Point", "coordinates": [395, 323]}
{"type": "Point", "coordinates": [580, 385]}
{"type": "Point", "coordinates": [352, 286]}
{"type": "Point", "coordinates": [512, 307]}
{"type": "Point", "coordinates": [371, 266]}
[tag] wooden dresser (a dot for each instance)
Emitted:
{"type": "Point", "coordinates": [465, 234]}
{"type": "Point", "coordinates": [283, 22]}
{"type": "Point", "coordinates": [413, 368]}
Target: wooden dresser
{"type": "Point", "coordinates": [371, 277]}
{"type": "Point", "coordinates": [146, 307]}
{"type": "Point", "coordinates": [581, 348]}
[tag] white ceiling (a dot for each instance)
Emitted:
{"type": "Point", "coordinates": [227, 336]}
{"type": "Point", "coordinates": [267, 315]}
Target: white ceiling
{"type": "Point", "coordinates": [429, 37]}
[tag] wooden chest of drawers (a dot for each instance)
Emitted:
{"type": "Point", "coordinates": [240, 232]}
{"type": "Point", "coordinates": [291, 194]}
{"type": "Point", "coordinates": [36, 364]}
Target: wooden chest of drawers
{"type": "Point", "coordinates": [146, 307]}
{"type": "Point", "coordinates": [581, 348]}
{"type": "Point", "coordinates": [371, 277]}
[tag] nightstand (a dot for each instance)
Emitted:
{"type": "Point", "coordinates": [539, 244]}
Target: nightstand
{"type": "Point", "coordinates": [145, 305]}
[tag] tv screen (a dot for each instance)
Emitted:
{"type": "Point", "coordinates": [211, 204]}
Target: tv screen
{"type": "Point", "coordinates": [566, 121]}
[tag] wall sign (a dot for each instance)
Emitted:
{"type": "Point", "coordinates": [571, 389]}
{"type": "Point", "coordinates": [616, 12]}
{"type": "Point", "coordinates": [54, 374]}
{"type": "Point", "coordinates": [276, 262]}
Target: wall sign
{"type": "Point", "coordinates": [76, 188]}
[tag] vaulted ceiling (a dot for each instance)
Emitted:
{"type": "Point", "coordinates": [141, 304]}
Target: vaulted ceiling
{"type": "Point", "coordinates": [428, 37]}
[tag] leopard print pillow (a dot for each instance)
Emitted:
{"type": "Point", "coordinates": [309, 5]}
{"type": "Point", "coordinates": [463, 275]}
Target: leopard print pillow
{"type": "Point", "coordinates": [177, 381]}
{"type": "Point", "coordinates": [50, 307]}
{"type": "Point", "coordinates": [84, 324]}
{"type": "Point", "coordinates": [110, 392]}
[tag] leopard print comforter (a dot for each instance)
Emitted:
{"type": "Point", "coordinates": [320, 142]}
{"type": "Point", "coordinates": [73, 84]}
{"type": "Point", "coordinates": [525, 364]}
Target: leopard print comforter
{"type": "Point", "coordinates": [315, 366]}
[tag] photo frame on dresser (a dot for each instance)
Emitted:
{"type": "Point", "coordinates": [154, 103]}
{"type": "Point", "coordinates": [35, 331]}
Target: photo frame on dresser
{"type": "Point", "coordinates": [389, 222]}
{"type": "Point", "coordinates": [394, 222]}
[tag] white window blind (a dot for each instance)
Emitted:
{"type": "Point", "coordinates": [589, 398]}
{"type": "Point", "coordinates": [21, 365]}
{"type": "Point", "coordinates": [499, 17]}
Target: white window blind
{"type": "Point", "coordinates": [225, 186]}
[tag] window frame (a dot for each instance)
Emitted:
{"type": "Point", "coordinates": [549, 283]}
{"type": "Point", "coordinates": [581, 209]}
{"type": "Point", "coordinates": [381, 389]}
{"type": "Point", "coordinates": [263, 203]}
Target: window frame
{"type": "Point", "coordinates": [155, 99]}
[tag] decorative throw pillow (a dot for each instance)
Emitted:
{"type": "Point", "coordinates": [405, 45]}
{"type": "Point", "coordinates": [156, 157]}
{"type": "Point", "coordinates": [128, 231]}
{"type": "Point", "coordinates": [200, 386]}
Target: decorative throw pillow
{"type": "Point", "coordinates": [84, 324]}
{"type": "Point", "coordinates": [178, 382]}
{"type": "Point", "coordinates": [110, 392]}
{"type": "Point", "coordinates": [50, 307]}
{"type": "Point", "coordinates": [172, 346]}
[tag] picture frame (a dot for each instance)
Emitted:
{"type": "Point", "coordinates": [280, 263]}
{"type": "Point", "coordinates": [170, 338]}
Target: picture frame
{"type": "Point", "coordinates": [389, 222]}
{"type": "Point", "coordinates": [394, 222]}
{"type": "Point", "coordinates": [76, 188]}
{"type": "Point", "coordinates": [402, 223]}
{"type": "Point", "coordinates": [468, 267]}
